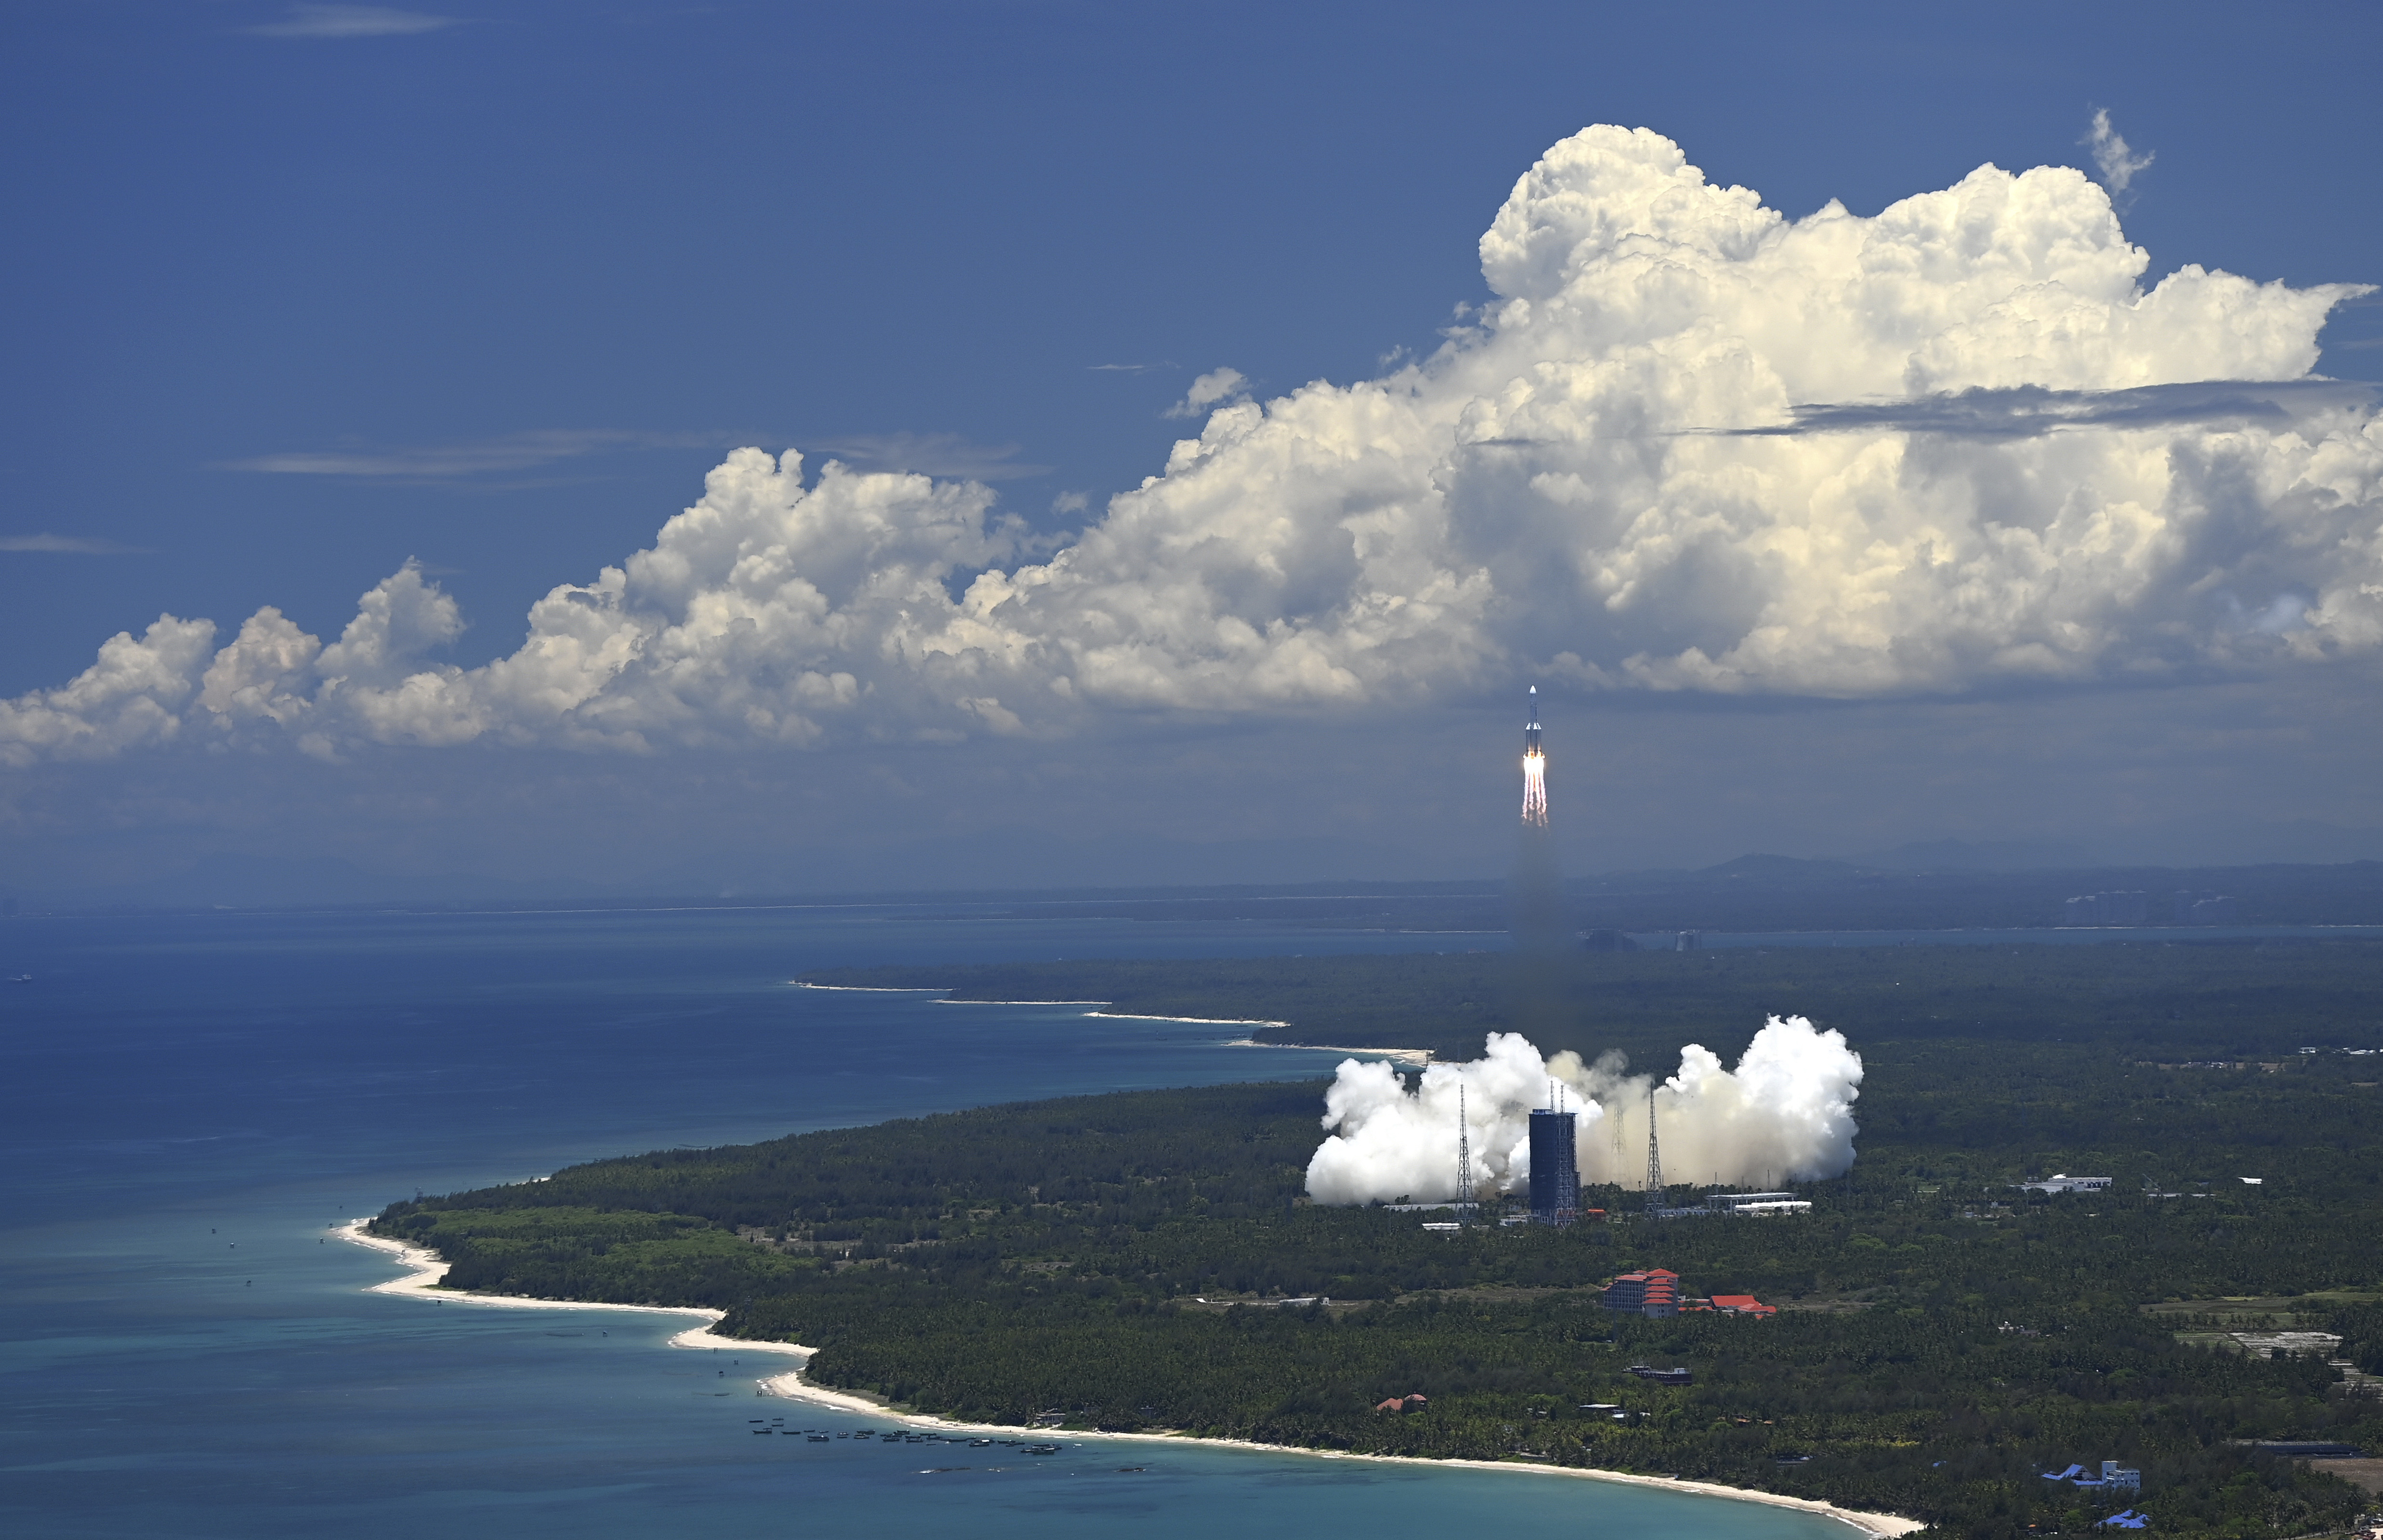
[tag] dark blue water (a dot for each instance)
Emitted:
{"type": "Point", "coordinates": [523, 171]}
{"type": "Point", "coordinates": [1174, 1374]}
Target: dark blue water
{"type": "Point", "coordinates": [187, 1103]}
{"type": "Point", "coordinates": [1665, 940]}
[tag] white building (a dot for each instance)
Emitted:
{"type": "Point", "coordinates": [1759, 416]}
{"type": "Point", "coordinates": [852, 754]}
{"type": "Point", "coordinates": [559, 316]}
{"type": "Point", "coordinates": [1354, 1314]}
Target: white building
{"type": "Point", "coordinates": [2062, 1182]}
{"type": "Point", "coordinates": [1757, 1203]}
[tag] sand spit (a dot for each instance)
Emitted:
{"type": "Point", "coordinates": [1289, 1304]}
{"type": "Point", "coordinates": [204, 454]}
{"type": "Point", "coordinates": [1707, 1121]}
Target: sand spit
{"type": "Point", "coordinates": [1397, 1055]}
{"type": "Point", "coordinates": [1197, 1021]}
{"type": "Point", "coordinates": [1418, 1056]}
{"type": "Point", "coordinates": [1026, 1003]}
{"type": "Point", "coordinates": [427, 1269]}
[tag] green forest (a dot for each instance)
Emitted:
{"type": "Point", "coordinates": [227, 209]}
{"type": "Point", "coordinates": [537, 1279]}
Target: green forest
{"type": "Point", "coordinates": [1944, 1339]}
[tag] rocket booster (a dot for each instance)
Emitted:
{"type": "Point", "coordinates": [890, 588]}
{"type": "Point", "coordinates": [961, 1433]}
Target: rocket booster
{"type": "Point", "coordinates": [1531, 728]}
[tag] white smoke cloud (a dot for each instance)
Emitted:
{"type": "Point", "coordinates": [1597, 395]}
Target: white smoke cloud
{"type": "Point", "coordinates": [2118, 164]}
{"type": "Point", "coordinates": [1689, 445]}
{"type": "Point", "coordinates": [1785, 1112]}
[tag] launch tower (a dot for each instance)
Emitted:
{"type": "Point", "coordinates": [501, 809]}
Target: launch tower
{"type": "Point", "coordinates": [1555, 1166]}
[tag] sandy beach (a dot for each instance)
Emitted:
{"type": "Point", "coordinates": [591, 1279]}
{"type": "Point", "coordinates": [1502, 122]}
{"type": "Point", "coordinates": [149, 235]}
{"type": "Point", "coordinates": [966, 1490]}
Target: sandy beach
{"type": "Point", "coordinates": [1889, 1526]}
{"type": "Point", "coordinates": [426, 1269]}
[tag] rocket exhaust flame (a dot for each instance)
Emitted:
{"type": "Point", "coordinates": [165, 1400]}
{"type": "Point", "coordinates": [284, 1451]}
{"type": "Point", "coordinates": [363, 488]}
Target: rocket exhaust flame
{"type": "Point", "coordinates": [1534, 770]}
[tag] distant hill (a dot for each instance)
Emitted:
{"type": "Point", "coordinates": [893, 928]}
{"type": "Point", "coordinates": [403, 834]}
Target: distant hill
{"type": "Point", "coordinates": [1756, 891]}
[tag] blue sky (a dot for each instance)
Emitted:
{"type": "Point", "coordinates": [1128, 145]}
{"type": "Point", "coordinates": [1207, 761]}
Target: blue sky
{"type": "Point", "coordinates": [300, 293]}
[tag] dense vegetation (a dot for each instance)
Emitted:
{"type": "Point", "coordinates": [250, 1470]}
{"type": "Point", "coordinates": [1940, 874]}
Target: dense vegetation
{"type": "Point", "coordinates": [1946, 1336]}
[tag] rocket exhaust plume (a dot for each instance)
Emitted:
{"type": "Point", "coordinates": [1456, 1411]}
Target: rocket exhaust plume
{"type": "Point", "coordinates": [1534, 770]}
{"type": "Point", "coordinates": [1539, 907]}
{"type": "Point", "coordinates": [1783, 1113]}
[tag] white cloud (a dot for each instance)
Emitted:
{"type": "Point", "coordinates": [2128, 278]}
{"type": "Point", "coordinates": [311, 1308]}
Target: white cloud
{"type": "Point", "coordinates": [132, 694]}
{"type": "Point", "coordinates": [319, 21]}
{"type": "Point", "coordinates": [2030, 469]}
{"type": "Point", "coordinates": [2120, 165]}
{"type": "Point", "coordinates": [519, 451]}
{"type": "Point", "coordinates": [71, 545]}
{"type": "Point", "coordinates": [1210, 391]}
{"type": "Point", "coordinates": [936, 454]}
{"type": "Point", "coordinates": [933, 454]}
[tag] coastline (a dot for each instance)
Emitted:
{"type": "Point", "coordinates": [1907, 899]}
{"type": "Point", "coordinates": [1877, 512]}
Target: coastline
{"type": "Point", "coordinates": [1415, 1056]}
{"type": "Point", "coordinates": [1886, 1526]}
{"type": "Point", "coordinates": [1420, 1057]}
{"type": "Point", "coordinates": [427, 1269]}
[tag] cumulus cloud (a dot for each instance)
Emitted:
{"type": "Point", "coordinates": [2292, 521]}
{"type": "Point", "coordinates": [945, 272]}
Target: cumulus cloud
{"type": "Point", "coordinates": [1209, 392]}
{"type": "Point", "coordinates": [1785, 1112]}
{"type": "Point", "coordinates": [2027, 468]}
{"type": "Point", "coordinates": [2118, 164]}
{"type": "Point", "coordinates": [132, 694]}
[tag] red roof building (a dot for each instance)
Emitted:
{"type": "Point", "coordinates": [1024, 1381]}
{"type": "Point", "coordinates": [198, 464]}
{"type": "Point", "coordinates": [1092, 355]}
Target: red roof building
{"type": "Point", "coordinates": [1655, 1291]}
{"type": "Point", "coordinates": [1742, 1304]}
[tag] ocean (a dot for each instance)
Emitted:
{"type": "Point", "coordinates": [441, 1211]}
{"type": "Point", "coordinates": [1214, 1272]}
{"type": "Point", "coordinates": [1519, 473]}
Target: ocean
{"type": "Point", "coordinates": [188, 1102]}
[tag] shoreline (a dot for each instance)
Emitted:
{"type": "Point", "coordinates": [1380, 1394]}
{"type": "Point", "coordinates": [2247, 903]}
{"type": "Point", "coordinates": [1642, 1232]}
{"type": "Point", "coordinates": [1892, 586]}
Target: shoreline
{"type": "Point", "coordinates": [427, 1269]}
{"type": "Point", "coordinates": [1420, 1057]}
{"type": "Point", "coordinates": [1417, 1057]}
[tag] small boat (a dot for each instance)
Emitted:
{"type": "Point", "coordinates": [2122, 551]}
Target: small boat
{"type": "Point", "coordinates": [820, 1439]}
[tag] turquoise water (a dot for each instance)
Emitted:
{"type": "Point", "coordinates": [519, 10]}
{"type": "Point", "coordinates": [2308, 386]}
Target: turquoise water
{"type": "Point", "coordinates": [187, 1103]}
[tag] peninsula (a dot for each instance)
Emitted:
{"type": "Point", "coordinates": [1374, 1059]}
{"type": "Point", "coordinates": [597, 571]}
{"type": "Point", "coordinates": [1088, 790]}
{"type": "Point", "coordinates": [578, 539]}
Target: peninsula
{"type": "Point", "coordinates": [1947, 1341]}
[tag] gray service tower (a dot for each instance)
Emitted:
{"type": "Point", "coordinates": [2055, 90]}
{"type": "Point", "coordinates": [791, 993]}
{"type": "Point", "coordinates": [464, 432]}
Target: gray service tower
{"type": "Point", "coordinates": [1555, 1167]}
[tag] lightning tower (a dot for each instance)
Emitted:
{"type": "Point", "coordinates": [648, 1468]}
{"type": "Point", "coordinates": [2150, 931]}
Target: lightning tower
{"type": "Point", "coordinates": [1654, 1158]}
{"type": "Point", "coordinates": [1534, 770]}
{"type": "Point", "coordinates": [1464, 1160]}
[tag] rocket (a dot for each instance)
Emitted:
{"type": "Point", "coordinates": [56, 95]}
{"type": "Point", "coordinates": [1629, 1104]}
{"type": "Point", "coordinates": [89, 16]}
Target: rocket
{"type": "Point", "coordinates": [1534, 770]}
